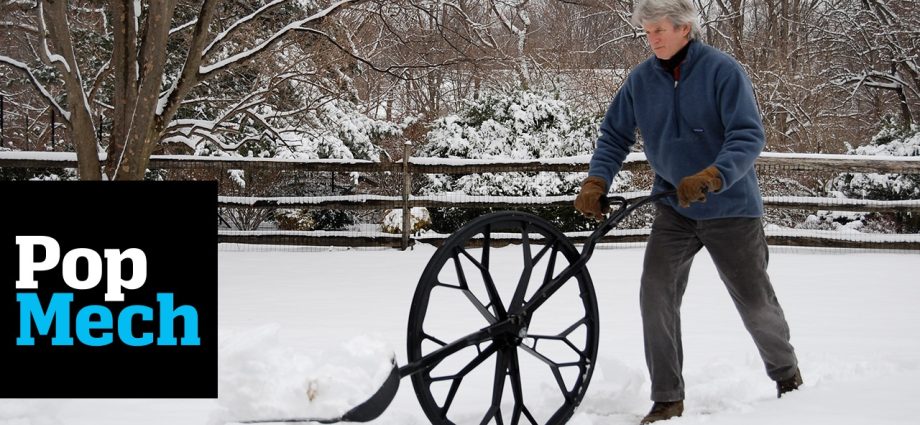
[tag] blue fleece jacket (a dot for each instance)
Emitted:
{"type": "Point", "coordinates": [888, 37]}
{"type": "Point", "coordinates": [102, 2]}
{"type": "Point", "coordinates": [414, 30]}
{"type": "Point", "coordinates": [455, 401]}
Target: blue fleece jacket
{"type": "Point", "coordinates": [708, 117]}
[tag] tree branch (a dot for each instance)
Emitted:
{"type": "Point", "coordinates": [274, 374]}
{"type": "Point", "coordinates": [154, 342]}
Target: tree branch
{"type": "Point", "coordinates": [208, 70]}
{"type": "Point", "coordinates": [169, 103]}
{"type": "Point", "coordinates": [38, 85]}
{"type": "Point", "coordinates": [238, 24]}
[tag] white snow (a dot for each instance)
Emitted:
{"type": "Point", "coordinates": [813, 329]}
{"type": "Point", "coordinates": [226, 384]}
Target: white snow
{"type": "Point", "coordinates": [295, 325]}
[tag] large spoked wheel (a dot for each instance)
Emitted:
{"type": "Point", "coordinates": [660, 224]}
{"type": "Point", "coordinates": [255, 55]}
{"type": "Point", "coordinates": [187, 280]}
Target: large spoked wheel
{"type": "Point", "coordinates": [534, 370]}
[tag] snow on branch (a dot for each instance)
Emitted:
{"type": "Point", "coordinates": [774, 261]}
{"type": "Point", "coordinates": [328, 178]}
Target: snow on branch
{"type": "Point", "coordinates": [875, 79]}
{"type": "Point", "coordinates": [38, 85]}
{"type": "Point", "coordinates": [51, 57]}
{"type": "Point", "coordinates": [192, 132]}
{"type": "Point", "coordinates": [245, 55]}
{"type": "Point", "coordinates": [183, 27]}
{"type": "Point", "coordinates": [236, 25]}
{"type": "Point", "coordinates": [19, 25]}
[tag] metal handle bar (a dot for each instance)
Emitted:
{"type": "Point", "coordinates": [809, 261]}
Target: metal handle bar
{"type": "Point", "coordinates": [626, 208]}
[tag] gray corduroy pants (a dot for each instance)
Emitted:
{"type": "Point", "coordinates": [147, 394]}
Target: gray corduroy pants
{"type": "Point", "coordinates": [738, 248]}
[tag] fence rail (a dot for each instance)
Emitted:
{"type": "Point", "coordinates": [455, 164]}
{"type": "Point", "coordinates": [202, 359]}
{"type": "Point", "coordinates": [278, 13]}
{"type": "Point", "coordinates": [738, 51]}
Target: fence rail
{"type": "Point", "coordinates": [633, 162]}
{"type": "Point", "coordinates": [409, 166]}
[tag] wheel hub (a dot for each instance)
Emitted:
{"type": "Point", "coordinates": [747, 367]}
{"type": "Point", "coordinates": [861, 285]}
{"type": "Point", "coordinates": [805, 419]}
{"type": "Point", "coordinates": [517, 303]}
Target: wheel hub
{"type": "Point", "coordinates": [515, 333]}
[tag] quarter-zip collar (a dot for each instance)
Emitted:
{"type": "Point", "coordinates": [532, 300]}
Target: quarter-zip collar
{"type": "Point", "coordinates": [689, 52]}
{"type": "Point", "coordinates": [673, 63]}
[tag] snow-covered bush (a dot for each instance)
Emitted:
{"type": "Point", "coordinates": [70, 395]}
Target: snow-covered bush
{"type": "Point", "coordinates": [419, 220]}
{"type": "Point", "coordinates": [518, 125]}
{"type": "Point", "coordinates": [834, 220]}
{"type": "Point", "coordinates": [294, 219]}
{"type": "Point", "coordinates": [892, 140]}
{"type": "Point", "coordinates": [332, 219]}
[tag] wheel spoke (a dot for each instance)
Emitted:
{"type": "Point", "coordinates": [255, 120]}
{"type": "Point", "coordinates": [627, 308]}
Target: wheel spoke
{"type": "Point", "coordinates": [550, 265]}
{"type": "Point", "coordinates": [465, 287]}
{"type": "Point", "coordinates": [458, 377]}
{"type": "Point", "coordinates": [539, 356]}
{"type": "Point", "coordinates": [435, 340]}
{"type": "Point", "coordinates": [481, 357]}
{"type": "Point", "coordinates": [494, 299]}
{"type": "Point", "coordinates": [518, 298]}
{"type": "Point", "coordinates": [554, 367]}
{"type": "Point", "coordinates": [447, 285]}
{"type": "Point", "coordinates": [486, 246]}
{"type": "Point", "coordinates": [529, 416]}
{"type": "Point", "coordinates": [563, 336]}
{"type": "Point", "coordinates": [514, 372]}
{"type": "Point", "coordinates": [542, 247]}
{"type": "Point", "coordinates": [498, 383]}
{"type": "Point", "coordinates": [483, 310]}
{"type": "Point", "coordinates": [517, 302]}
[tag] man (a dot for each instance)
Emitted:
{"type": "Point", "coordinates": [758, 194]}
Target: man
{"type": "Point", "coordinates": [694, 107]}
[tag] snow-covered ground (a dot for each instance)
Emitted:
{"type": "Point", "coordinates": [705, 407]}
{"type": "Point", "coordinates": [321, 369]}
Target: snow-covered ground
{"type": "Point", "coordinates": [320, 325]}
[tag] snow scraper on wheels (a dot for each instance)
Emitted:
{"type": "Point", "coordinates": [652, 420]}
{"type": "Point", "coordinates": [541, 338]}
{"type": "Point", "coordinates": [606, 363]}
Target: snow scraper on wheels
{"type": "Point", "coordinates": [505, 347]}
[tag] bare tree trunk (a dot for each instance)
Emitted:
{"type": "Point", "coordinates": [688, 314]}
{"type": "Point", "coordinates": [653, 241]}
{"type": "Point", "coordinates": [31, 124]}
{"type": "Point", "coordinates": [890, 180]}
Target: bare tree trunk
{"type": "Point", "coordinates": [79, 121]}
{"type": "Point", "coordinates": [141, 133]}
{"type": "Point", "coordinates": [124, 63]}
{"type": "Point", "coordinates": [906, 116]}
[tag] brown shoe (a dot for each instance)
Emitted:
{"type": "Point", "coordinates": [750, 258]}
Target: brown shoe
{"type": "Point", "coordinates": [791, 384]}
{"type": "Point", "coordinates": [663, 410]}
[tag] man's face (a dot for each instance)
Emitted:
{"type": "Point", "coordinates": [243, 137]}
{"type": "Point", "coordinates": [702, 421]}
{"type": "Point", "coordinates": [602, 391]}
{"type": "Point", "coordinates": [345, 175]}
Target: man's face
{"type": "Point", "coordinates": [664, 38]}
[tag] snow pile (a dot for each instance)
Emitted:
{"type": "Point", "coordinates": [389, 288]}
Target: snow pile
{"type": "Point", "coordinates": [261, 378]}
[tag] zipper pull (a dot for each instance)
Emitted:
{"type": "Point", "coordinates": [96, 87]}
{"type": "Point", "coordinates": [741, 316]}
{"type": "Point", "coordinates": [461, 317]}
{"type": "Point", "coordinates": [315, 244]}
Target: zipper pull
{"type": "Point", "coordinates": [675, 83]}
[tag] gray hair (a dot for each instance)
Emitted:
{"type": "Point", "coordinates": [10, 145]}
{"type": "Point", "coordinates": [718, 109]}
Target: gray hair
{"type": "Point", "coordinates": [679, 12]}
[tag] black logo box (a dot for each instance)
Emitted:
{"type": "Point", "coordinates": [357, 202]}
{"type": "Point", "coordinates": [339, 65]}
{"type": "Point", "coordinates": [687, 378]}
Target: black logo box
{"type": "Point", "coordinates": [173, 223]}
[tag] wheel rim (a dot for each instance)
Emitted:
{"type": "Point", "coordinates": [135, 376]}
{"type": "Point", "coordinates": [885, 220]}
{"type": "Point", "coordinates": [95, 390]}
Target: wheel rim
{"type": "Point", "coordinates": [538, 371]}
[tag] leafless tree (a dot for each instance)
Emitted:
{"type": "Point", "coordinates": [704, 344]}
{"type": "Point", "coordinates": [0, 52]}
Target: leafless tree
{"type": "Point", "coordinates": [146, 94]}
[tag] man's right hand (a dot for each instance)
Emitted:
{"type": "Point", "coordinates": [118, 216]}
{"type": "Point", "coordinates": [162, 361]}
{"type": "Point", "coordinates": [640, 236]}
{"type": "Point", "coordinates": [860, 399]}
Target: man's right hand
{"type": "Point", "coordinates": [588, 201]}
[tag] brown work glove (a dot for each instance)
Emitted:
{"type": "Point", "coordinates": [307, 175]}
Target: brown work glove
{"type": "Point", "coordinates": [693, 188]}
{"type": "Point", "coordinates": [588, 201]}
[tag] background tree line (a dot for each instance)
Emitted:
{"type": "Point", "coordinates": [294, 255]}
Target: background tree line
{"type": "Point", "coordinates": [354, 78]}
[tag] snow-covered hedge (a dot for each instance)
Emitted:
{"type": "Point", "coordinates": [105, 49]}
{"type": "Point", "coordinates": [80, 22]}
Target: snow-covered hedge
{"type": "Point", "coordinates": [518, 125]}
{"type": "Point", "coordinates": [890, 141]}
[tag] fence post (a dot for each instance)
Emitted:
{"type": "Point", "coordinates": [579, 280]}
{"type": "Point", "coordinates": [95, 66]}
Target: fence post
{"type": "Point", "coordinates": [52, 128]}
{"type": "Point", "coordinates": [407, 189]}
{"type": "Point", "coordinates": [2, 119]}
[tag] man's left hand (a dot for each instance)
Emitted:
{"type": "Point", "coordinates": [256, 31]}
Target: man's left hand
{"type": "Point", "coordinates": [693, 188]}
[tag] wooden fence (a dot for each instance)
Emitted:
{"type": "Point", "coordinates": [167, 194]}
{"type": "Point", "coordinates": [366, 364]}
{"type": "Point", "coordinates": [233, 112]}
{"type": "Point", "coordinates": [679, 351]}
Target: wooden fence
{"type": "Point", "coordinates": [409, 166]}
